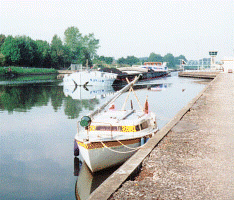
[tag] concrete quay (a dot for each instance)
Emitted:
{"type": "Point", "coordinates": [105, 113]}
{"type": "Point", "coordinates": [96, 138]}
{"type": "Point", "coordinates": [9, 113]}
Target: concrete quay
{"type": "Point", "coordinates": [189, 158]}
{"type": "Point", "coordinates": [199, 74]}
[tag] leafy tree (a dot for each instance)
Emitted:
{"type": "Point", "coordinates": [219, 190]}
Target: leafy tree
{"type": "Point", "coordinates": [2, 59]}
{"type": "Point", "coordinates": [11, 50]}
{"type": "Point", "coordinates": [177, 59]}
{"type": "Point", "coordinates": [43, 50]}
{"type": "Point", "coordinates": [106, 60]}
{"type": "Point", "coordinates": [91, 44]}
{"type": "Point", "coordinates": [155, 58]}
{"type": "Point", "coordinates": [169, 58]}
{"type": "Point", "coordinates": [28, 51]}
{"type": "Point", "coordinates": [73, 42]}
{"type": "Point", "coordinates": [80, 49]}
{"type": "Point", "coordinates": [57, 52]}
{"type": "Point", "coordinates": [130, 60]}
{"type": "Point", "coordinates": [121, 60]}
{"type": "Point", "coordinates": [2, 39]}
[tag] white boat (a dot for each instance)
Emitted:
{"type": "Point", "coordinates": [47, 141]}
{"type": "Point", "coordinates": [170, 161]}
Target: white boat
{"type": "Point", "coordinates": [90, 78]}
{"type": "Point", "coordinates": [155, 66]}
{"type": "Point", "coordinates": [109, 137]}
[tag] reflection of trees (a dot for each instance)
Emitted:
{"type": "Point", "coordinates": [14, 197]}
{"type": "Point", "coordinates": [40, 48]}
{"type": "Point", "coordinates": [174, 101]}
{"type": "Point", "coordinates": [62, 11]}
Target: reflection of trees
{"type": "Point", "coordinates": [23, 98]}
{"type": "Point", "coordinates": [74, 107]}
{"type": "Point", "coordinates": [57, 97]}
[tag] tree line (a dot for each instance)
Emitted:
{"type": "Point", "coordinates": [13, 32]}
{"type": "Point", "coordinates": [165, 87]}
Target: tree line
{"type": "Point", "coordinates": [172, 61]}
{"type": "Point", "coordinates": [24, 51]}
{"type": "Point", "coordinates": [75, 49]}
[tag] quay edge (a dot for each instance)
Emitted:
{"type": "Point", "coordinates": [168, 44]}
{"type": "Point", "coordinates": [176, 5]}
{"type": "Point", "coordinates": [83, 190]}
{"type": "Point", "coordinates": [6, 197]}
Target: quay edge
{"type": "Point", "coordinates": [199, 74]}
{"type": "Point", "coordinates": [111, 184]}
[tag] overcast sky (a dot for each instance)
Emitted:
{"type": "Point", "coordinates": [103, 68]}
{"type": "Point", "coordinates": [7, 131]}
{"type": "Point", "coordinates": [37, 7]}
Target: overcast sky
{"type": "Point", "coordinates": [129, 27]}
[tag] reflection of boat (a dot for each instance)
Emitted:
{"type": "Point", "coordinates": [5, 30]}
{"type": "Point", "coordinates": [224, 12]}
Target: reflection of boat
{"type": "Point", "coordinates": [86, 181]}
{"type": "Point", "coordinates": [111, 137]}
{"type": "Point", "coordinates": [149, 86]}
{"type": "Point", "coordinates": [90, 92]}
{"type": "Point", "coordinates": [159, 87]}
{"type": "Point", "coordinates": [90, 78]}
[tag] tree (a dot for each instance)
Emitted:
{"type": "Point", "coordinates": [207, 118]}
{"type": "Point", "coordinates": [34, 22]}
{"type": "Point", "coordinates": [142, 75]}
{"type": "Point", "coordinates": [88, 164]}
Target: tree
{"type": "Point", "coordinates": [91, 44]}
{"type": "Point", "coordinates": [177, 59]}
{"type": "Point", "coordinates": [2, 39]}
{"type": "Point", "coordinates": [57, 52]}
{"type": "Point", "coordinates": [43, 50]}
{"type": "Point", "coordinates": [155, 58]}
{"type": "Point", "coordinates": [106, 60]}
{"type": "Point", "coordinates": [11, 50]}
{"type": "Point", "coordinates": [169, 58]}
{"type": "Point", "coordinates": [130, 60]}
{"type": "Point", "coordinates": [73, 42]}
{"type": "Point", "coordinates": [80, 49]}
{"type": "Point", "coordinates": [2, 59]}
{"type": "Point", "coordinates": [28, 51]}
{"type": "Point", "coordinates": [121, 61]}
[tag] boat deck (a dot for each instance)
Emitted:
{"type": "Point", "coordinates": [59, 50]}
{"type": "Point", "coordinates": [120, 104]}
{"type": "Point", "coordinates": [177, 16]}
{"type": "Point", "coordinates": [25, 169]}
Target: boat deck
{"type": "Point", "coordinates": [118, 125]}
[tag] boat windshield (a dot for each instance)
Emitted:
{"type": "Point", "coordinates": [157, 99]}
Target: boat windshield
{"type": "Point", "coordinates": [136, 128]}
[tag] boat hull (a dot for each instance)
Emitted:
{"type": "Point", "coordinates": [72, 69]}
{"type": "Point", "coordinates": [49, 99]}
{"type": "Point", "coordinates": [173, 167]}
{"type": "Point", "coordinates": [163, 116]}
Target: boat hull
{"type": "Point", "coordinates": [101, 155]}
{"type": "Point", "coordinates": [121, 78]}
{"type": "Point", "coordinates": [93, 78]}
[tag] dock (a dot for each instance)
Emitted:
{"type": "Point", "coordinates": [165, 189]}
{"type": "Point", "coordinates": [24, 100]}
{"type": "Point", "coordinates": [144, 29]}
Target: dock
{"type": "Point", "coordinates": [191, 157]}
{"type": "Point", "coordinates": [199, 74]}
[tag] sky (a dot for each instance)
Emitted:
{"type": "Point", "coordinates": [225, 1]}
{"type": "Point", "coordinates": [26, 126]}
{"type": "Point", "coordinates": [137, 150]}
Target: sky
{"type": "Point", "coordinates": [129, 27]}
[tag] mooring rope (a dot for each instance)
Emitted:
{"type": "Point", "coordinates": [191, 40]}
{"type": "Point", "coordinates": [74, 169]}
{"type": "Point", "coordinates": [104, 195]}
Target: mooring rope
{"type": "Point", "coordinates": [117, 151]}
{"type": "Point", "coordinates": [130, 147]}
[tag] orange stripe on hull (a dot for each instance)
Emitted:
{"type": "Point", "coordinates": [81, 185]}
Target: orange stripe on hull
{"type": "Point", "coordinates": [96, 145]}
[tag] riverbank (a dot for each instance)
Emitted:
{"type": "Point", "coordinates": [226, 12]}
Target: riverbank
{"type": "Point", "coordinates": [25, 71]}
{"type": "Point", "coordinates": [192, 161]}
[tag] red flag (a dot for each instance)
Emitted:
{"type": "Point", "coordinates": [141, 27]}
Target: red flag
{"type": "Point", "coordinates": [146, 106]}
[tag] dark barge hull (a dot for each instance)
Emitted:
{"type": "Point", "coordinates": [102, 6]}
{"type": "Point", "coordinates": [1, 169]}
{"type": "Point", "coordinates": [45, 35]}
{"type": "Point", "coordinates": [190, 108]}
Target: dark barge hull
{"type": "Point", "coordinates": [121, 78]}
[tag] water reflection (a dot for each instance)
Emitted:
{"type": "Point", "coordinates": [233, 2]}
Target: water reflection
{"type": "Point", "coordinates": [90, 92]}
{"type": "Point", "coordinates": [87, 181]}
{"type": "Point", "coordinates": [22, 98]}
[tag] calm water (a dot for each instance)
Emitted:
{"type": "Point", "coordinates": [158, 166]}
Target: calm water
{"type": "Point", "coordinates": [38, 125]}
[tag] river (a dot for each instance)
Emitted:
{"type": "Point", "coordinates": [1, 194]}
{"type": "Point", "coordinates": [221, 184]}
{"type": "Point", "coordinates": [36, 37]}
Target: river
{"type": "Point", "coordinates": [38, 125]}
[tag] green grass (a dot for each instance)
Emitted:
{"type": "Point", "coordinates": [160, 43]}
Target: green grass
{"type": "Point", "coordinates": [27, 71]}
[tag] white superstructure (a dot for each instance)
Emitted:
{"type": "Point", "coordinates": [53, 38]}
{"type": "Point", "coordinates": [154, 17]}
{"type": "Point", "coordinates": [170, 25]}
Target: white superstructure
{"type": "Point", "coordinates": [90, 78]}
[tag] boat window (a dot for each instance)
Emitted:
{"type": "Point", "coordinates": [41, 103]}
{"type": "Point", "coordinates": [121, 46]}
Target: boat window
{"type": "Point", "coordinates": [114, 128]}
{"type": "Point", "coordinates": [119, 128]}
{"type": "Point", "coordinates": [144, 125]}
{"type": "Point", "coordinates": [137, 128]}
{"type": "Point", "coordinates": [103, 128]}
{"type": "Point", "coordinates": [106, 128]}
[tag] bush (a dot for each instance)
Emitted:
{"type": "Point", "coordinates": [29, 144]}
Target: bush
{"type": "Point", "coordinates": [25, 71]}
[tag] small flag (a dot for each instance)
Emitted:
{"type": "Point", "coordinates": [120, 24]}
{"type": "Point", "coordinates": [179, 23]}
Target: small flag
{"type": "Point", "coordinates": [146, 106]}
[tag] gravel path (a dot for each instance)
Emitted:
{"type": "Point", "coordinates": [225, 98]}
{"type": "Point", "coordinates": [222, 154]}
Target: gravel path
{"type": "Point", "coordinates": [195, 160]}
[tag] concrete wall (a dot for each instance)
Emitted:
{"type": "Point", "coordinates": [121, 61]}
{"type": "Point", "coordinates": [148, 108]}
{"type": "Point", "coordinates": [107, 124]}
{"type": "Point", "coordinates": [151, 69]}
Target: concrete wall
{"type": "Point", "coordinates": [228, 65]}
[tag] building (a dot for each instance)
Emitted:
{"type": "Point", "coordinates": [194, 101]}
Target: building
{"type": "Point", "coordinates": [228, 64]}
